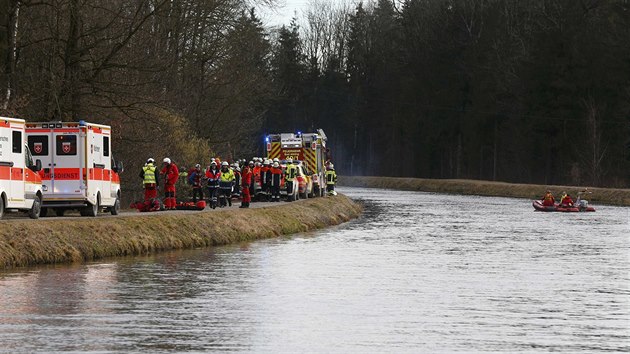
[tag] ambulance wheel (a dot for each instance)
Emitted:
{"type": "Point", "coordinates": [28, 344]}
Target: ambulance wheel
{"type": "Point", "coordinates": [116, 208]}
{"type": "Point", "coordinates": [59, 212]}
{"type": "Point", "coordinates": [90, 210]}
{"type": "Point", "coordinates": [36, 209]}
{"type": "Point", "coordinates": [1, 206]}
{"type": "Point", "coordinates": [43, 212]}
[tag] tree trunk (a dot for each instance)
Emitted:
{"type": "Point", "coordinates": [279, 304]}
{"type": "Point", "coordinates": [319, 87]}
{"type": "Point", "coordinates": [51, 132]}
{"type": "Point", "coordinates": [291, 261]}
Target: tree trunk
{"type": "Point", "coordinates": [12, 30]}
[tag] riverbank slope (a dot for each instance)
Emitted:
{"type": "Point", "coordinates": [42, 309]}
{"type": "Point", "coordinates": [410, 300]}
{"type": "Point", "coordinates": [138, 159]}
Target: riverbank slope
{"type": "Point", "coordinates": [609, 196]}
{"type": "Point", "coordinates": [59, 240]}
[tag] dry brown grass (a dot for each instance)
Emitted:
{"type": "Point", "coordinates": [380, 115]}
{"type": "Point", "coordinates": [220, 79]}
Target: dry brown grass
{"type": "Point", "coordinates": [499, 189]}
{"type": "Point", "coordinates": [24, 242]}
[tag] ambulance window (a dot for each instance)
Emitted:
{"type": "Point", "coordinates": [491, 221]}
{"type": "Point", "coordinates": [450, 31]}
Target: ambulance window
{"type": "Point", "coordinates": [105, 146]}
{"type": "Point", "coordinates": [17, 142]}
{"type": "Point", "coordinates": [66, 145]}
{"type": "Point", "coordinates": [38, 145]}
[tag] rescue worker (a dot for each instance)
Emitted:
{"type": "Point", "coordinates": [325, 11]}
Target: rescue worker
{"type": "Point", "coordinates": [246, 180]}
{"type": "Point", "coordinates": [331, 179]}
{"type": "Point", "coordinates": [195, 179]}
{"type": "Point", "coordinates": [225, 184]}
{"type": "Point", "coordinates": [276, 180]}
{"type": "Point", "coordinates": [257, 178]}
{"type": "Point", "coordinates": [150, 180]}
{"type": "Point", "coordinates": [289, 178]}
{"type": "Point", "coordinates": [265, 179]}
{"type": "Point", "coordinates": [171, 174]}
{"type": "Point", "coordinates": [548, 199]}
{"type": "Point", "coordinates": [213, 174]}
{"type": "Point", "coordinates": [566, 200]}
{"type": "Point", "coordinates": [252, 181]}
{"type": "Point", "coordinates": [236, 193]}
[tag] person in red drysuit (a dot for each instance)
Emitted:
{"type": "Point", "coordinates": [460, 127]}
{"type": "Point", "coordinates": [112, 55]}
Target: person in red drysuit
{"type": "Point", "coordinates": [566, 200]}
{"type": "Point", "coordinates": [548, 199]}
{"type": "Point", "coordinates": [246, 180]}
{"type": "Point", "coordinates": [171, 174]}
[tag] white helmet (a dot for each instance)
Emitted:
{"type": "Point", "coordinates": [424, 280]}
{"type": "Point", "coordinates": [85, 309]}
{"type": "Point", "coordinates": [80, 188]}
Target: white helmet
{"type": "Point", "coordinates": [276, 164]}
{"type": "Point", "coordinates": [331, 166]}
{"type": "Point", "coordinates": [167, 160]}
{"type": "Point", "coordinates": [289, 161]}
{"type": "Point", "coordinates": [276, 160]}
{"type": "Point", "coordinates": [267, 162]}
{"type": "Point", "coordinates": [150, 160]}
{"type": "Point", "coordinates": [213, 162]}
{"type": "Point", "coordinates": [197, 166]}
{"type": "Point", "coordinates": [225, 163]}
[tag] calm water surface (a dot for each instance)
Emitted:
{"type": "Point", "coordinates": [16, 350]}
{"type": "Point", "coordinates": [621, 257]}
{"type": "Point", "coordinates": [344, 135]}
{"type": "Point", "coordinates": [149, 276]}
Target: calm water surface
{"type": "Point", "coordinates": [418, 272]}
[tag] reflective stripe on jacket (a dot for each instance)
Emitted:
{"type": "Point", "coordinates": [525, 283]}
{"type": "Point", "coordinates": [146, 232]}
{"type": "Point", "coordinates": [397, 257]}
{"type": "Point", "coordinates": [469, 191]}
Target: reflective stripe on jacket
{"type": "Point", "coordinates": [149, 174]}
{"type": "Point", "coordinates": [331, 177]}
{"type": "Point", "coordinates": [227, 176]}
{"type": "Point", "coordinates": [291, 172]}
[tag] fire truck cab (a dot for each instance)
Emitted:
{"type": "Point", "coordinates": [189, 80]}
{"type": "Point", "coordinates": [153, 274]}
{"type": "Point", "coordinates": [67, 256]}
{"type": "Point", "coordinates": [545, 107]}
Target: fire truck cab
{"type": "Point", "coordinates": [79, 170]}
{"type": "Point", "coordinates": [20, 185]}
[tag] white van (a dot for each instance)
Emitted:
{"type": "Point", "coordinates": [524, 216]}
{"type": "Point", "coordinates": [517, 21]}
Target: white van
{"type": "Point", "coordinates": [20, 184]}
{"type": "Point", "coordinates": [79, 171]}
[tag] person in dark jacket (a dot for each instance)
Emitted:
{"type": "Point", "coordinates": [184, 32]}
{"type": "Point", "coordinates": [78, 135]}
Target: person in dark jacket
{"type": "Point", "coordinates": [276, 181]}
{"type": "Point", "coordinates": [195, 179]}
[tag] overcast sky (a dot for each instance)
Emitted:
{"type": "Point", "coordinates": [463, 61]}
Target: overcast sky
{"type": "Point", "coordinates": [286, 10]}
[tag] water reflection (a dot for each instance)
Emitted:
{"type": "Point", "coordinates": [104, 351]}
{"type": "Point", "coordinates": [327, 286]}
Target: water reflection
{"type": "Point", "coordinates": [419, 272]}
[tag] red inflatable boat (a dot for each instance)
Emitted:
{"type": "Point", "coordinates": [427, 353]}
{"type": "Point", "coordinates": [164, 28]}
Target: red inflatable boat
{"type": "Point", "coordinates": [556, 207]}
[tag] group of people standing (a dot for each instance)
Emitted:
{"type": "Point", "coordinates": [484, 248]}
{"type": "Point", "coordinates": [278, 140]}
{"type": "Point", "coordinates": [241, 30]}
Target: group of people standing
{"type": "Point", "coordinates": [223, 181]}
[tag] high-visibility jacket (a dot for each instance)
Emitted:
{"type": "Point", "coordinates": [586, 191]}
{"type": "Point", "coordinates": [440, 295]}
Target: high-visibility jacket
{"type": "Point", "coordinates": [227, 176]}
{"type": "Point", "coordinates": [291, 172]}
{"type": "Point", "coordinates": [149, 174]}
{"type": "Point", "coordinates": [331, 177]}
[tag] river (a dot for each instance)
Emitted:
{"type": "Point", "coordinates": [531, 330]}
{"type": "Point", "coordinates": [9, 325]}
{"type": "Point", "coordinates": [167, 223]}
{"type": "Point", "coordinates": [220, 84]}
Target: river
{"type": "Point", "coordinates": [418, 272]}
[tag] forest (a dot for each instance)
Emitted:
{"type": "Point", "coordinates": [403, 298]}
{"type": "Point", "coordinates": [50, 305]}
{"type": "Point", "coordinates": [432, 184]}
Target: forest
{"type": "Point", "coordinates": [518, 91]}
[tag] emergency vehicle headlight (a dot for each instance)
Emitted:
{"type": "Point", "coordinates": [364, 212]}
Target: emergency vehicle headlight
{"type": "Point", "coordinates": [58, 125]}
{"type": "Point", "coordinates": [44, 188]}
{"type": "Point", "coordinates": [44, 125]}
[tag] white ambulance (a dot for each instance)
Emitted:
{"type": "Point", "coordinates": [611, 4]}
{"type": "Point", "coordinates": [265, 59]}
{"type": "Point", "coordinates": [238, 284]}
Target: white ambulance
{"type": "Point", "coordinates": [79, 171]}
{"type": "Point", "coordinates": [20, 184]}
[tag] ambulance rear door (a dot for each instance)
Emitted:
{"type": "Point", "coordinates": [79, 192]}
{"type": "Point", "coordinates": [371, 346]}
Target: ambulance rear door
{"type": "Point", "coordinates": [60, 150]}
{"type": "Point", "coordinates": [68, 161]}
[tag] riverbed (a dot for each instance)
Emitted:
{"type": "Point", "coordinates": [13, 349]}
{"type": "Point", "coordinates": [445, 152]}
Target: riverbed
{"type": "Point", "coordinates": [418, 272]}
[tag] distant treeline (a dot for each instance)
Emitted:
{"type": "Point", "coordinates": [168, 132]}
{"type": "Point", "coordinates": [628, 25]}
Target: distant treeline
{"type": "Point", "coordinates": [534, 91]}
{"type": "Point", "coordinates": [520, 91]}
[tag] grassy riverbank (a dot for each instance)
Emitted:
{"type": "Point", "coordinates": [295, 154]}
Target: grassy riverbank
{"type": "Point", "coordinates": [487, 188]}
{"type": "Point", "coordinates": [59, 240]}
